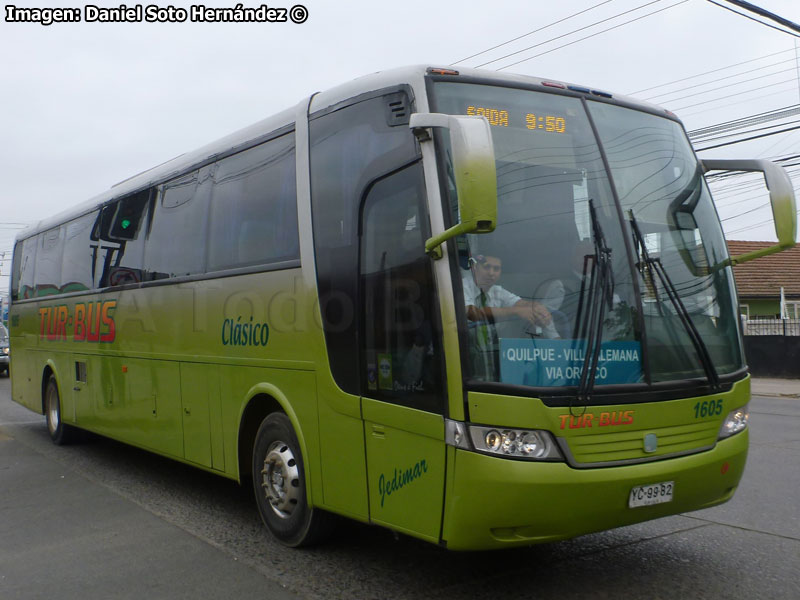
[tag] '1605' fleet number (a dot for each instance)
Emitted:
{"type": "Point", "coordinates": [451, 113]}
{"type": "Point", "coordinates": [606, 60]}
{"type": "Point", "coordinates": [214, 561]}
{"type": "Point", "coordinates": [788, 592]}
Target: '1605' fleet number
{"type": "Point", "coordinates": [708, 408]}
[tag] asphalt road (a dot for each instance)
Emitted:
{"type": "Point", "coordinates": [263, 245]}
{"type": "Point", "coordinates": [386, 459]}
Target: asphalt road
{"type": "Point", "coordinates": [103, 520]}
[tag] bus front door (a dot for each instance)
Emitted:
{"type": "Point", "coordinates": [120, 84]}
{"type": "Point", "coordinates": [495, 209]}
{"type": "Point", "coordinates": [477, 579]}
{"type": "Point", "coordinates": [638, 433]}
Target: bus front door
{"type": "Point", "coordinates": [403, 398]}
{"type": "Point", "coordinates": [405, 467]}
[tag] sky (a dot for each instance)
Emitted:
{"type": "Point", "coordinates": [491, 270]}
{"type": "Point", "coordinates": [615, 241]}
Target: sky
{"type": "Point", "coordinates": [86, 105]}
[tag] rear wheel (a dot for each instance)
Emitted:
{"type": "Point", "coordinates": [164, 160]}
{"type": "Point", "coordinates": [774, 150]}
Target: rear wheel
{"type": "Point", "coordinates": [60, 433]}
{"type": "Point", "coordinates": [280, 486]}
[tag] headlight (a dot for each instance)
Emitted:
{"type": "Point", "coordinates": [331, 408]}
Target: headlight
{"type": "Point", "coordinates": [514, 443]}
{"type": "Point", "coordinates": [500, 441]}
{"type": "Point", "coordinates": [5, 350]}
{"type": "Point", "coordinates": [735, 422]}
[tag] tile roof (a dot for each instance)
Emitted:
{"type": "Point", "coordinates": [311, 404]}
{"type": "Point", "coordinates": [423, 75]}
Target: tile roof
{"type": "Point", "coordinates": [763, 277]}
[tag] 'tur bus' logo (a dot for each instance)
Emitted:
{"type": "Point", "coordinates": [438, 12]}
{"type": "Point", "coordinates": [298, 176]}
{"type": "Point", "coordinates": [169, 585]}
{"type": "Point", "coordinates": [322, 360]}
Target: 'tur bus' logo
{"type": "Point", "coordinates": [87, 322]}
{"type": "Point", "coordinates": [604, 419]}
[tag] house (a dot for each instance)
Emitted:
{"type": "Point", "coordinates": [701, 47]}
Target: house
{"type": "Point", "coordinates": [759, 281]}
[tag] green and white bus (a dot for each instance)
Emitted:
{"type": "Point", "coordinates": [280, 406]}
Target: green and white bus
{"type": "Point", "coordinates": [303, 304]}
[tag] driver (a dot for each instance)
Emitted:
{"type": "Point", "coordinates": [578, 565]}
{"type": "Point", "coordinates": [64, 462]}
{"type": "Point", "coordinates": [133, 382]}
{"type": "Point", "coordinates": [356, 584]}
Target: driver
{"type": "Point", "coordinates": [488, 301]}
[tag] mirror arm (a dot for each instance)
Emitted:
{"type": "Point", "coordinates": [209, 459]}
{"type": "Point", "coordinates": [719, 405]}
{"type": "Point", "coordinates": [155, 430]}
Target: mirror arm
{"type": "Point", "coordinates": [735, 260]}
{"type": "Point", "coordinates": [433, 245]}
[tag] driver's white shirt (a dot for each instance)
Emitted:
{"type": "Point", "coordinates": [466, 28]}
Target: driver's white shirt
{"type": "Point", "coordinates": [496, 297]}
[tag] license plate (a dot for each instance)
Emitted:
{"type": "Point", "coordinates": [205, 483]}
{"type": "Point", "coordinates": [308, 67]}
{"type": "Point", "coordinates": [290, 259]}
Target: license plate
{"type": "Point", "coordinates": [647, 495]}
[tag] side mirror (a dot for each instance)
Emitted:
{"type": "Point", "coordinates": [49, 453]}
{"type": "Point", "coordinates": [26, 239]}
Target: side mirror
{"type": "Point", "coordinates": [781, 196]}
{"type": "Point", "coordinates": [474, 171]}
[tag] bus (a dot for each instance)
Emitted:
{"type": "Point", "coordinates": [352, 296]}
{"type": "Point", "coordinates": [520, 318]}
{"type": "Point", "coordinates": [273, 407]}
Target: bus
{"type": "Point", "coordinates": [480, 309]}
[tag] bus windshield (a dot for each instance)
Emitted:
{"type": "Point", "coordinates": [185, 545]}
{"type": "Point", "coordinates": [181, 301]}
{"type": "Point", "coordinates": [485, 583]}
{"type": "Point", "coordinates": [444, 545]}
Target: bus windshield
{"type": "Point", "coordinates": [607, 256]}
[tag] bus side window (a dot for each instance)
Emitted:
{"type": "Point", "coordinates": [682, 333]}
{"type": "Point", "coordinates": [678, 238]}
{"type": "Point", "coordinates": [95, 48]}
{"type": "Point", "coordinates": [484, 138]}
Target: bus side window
{"type": "Point", "coordinates": [76, 265]}
{"type": "Point", "coordinates": [48, 262]}
{"type": "Point", "coordinates": [254, 207]}
{"type": "Point", "coordinates": [117, 245]}
{"type": "Point", "coordinates": [176, 243]}
{"type": "Point", "coordinates": [402, 346]}
{"type": "Point", "coordinates": [24, 262]}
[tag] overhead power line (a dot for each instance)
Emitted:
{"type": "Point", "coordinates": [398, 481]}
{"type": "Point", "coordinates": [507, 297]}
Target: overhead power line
{"type": "Point", "coordinates": [729, 96]}
{"type": "Point", "coordinates": [753, 226]}
{"type": "Point", "coordinates": [747, 212]}
{"type": "Point", "coordinates": [519, 37]}
{"type": "Point", "coordinates": [697, 85]}
{"type": "Point", "coordinates": [722, 87]}
{"type": "Point", "coordinates": [728, 103]}
{"type": "Point", "coordinates": [755, 137]}
{"type": "Point", "coordinates": [757, 119]}
{"type": "Point", "coordinates": [745, 126]}
{"type": "Point", "coordinates": [749, 131]}
{"type": "Point", "coordinates": [594, 34]}
{"type": "Point", "coordinates": [655, 87]}
{"type": "Point", "coordinates": [569, 33]}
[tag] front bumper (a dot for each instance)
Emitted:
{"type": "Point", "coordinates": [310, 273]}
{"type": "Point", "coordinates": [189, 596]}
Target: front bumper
{"type": "Point", "coordinates": [497, 503]}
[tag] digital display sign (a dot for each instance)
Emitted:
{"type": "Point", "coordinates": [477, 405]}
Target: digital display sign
{"type": "Point", "coordinates": [499, 117]}
{"type": "Point", "coordinates": [549, 123]}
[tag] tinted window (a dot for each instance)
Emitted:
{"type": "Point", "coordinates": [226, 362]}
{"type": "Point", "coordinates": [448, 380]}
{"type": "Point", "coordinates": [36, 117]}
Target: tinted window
{"type": "Point", "coordinates": [350, 148]}
{"type": "Point", "coordinates": [129, 217]}
{"type": "Point", "coordinates": [176, 244]}
{"type": "Point", "coordinates": [77, 262]}
{"type": "Point", "coordinates": [48, 261]}
{"type": "Point", "coordinates": [24, 266]}
{"type": "Point", "coordinates": [16, 270]}
{"type": "Point", "coordinates": [253, 207]}
{"type": "Point", "coordinates": [118, 241]}
{"type": "Point", "coordinates": [402, 345]}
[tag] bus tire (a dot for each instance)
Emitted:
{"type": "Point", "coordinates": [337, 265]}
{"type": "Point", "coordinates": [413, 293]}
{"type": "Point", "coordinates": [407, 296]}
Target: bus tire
{"type": "Point", "coordinates": [60, 432]}
{"type": "Point", "coordinates": [280, 487]}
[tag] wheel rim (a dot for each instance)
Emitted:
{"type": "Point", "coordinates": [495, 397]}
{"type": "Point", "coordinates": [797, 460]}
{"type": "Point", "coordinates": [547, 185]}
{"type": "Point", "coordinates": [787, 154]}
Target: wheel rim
{"type": "Point", "coordinates": [53, 415]}
{"type": "Point", "coordinates": [280, 479]}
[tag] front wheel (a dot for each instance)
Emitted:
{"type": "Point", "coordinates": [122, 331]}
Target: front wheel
{"type": "Point", "coordinates": [280, 485]}
{"type": "Point", "coordinates": [60, 433]}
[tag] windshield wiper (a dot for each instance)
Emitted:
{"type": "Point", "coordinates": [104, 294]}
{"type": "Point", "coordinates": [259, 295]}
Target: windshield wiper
{"type": "Point", "coordinates": [601, 295]}
{"type": "Point", "coordinates": [654, 266]}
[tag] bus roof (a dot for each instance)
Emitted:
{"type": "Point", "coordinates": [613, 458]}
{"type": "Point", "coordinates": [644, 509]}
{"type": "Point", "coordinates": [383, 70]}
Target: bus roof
{"type": "Point", "coordinates": [243, 138]}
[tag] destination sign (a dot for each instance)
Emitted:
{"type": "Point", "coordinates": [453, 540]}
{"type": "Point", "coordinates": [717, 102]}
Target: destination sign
{"type": "Point", "coordinates": [499, 117]}
{"type": "Point", "coordinates": [548, 363]}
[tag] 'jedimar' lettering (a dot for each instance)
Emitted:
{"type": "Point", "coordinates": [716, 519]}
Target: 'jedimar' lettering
{"type": "Point", "coordinates": [400, 479]}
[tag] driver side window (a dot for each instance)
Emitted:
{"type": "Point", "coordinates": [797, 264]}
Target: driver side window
{"type": "Point", "coordinates": [401, 342]}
